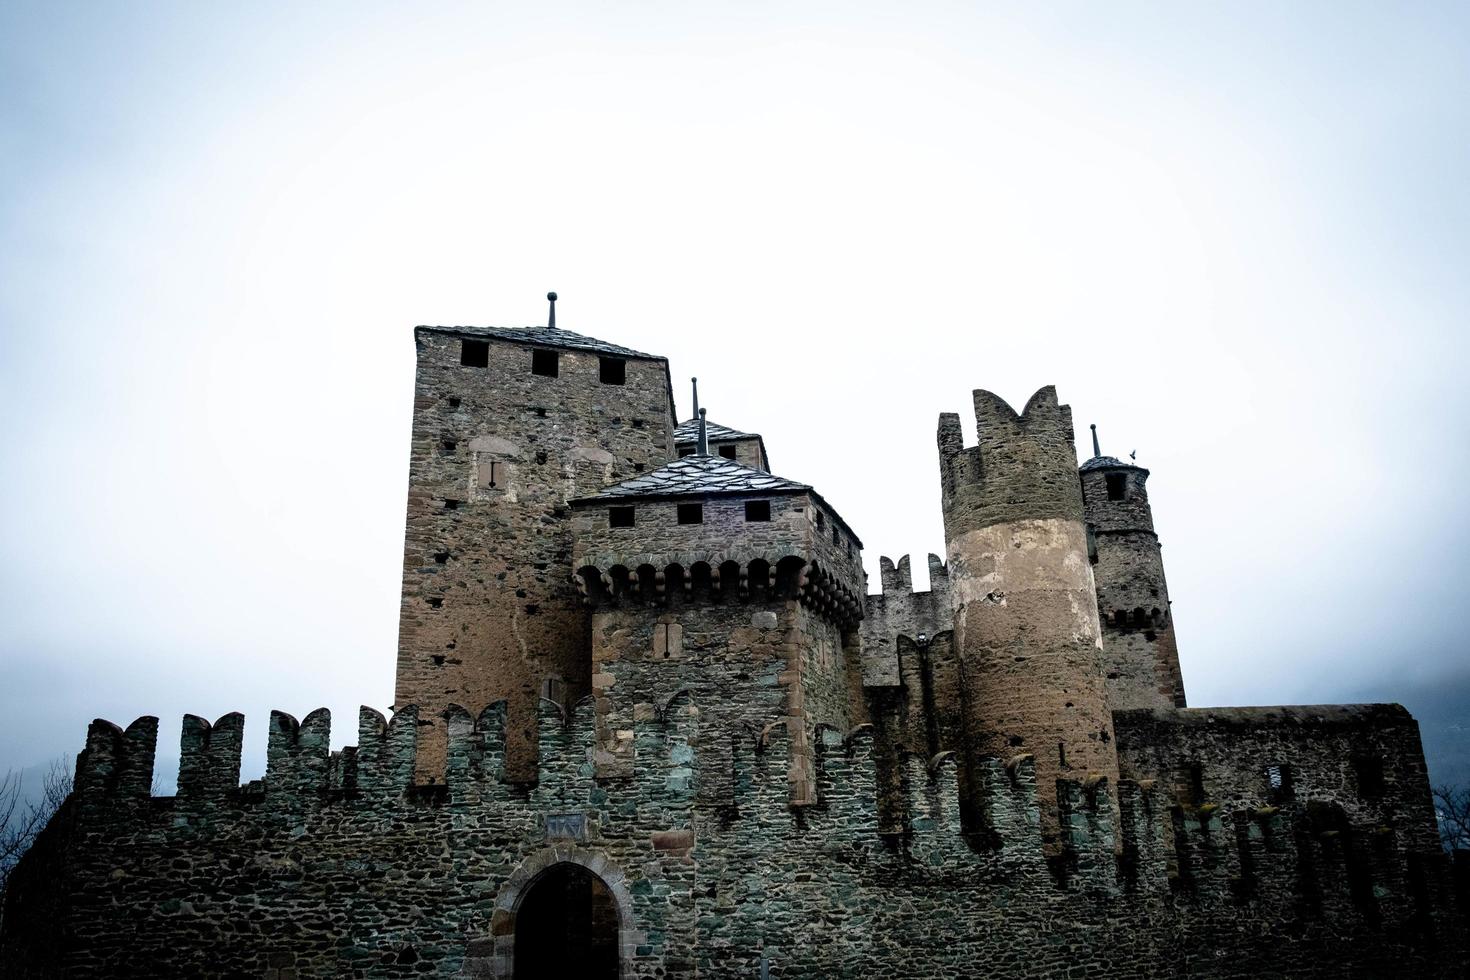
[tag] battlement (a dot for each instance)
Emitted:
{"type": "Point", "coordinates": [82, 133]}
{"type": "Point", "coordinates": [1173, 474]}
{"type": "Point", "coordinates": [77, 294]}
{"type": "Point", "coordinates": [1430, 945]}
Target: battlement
{"type": "Point", "coordinates": [898, 611]}
{"type": "Point", "coordinates": [1024, 466]}
{"type": "Point", "coordinates": [897, 579]}
{"type": "Point", "coordinates": [1145, 857]}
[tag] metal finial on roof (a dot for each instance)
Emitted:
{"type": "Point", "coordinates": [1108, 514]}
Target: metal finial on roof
{"type": "Point", "coordinates": [1095, 450]}
{"type": "Point", "coordinates": [551, 317]}
{"type": "Point", "coordinates": [695, 382]}
{"type": "Point", "coordinates": [701, 447]}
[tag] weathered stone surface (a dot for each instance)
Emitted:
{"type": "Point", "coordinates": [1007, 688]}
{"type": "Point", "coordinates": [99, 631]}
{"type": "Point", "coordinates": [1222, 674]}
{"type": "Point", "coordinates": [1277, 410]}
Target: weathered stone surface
{"type": "Point", "coordinates": [489, 610]}
{"type": "Point", "coordinates": [1140, 654]}
{"type": "Point", "coordinates": [1025, 622]}
{"type": "Point", "coordinates": [758, 769]}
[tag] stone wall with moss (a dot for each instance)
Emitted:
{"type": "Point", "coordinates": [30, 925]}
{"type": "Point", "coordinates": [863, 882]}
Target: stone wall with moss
{"type": "Point", "coordinates": [335, 864]}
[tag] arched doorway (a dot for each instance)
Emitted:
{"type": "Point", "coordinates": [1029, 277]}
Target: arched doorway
{"type": "Point", "coordinates": [566, 926]}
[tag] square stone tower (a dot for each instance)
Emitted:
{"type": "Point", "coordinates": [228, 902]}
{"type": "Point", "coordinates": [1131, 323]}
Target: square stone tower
{"type": "Point", "coordinates": [741, 589]}
{"type": "Point", "coordinates": [508, 426]}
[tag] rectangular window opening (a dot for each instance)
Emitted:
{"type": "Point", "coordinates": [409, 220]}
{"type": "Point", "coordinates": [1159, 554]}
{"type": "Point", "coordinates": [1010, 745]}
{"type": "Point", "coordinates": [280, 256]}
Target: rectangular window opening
{"type": "Point", "coordinates": [1369, 770]}
{"type": "Point", "coordinates": [620, 517]}
{"type": "Point", "coordinates": [545, 363]}
{"type": "Point", "coordinates": [474, 353]}
{"type": "Point", "coordinates": [612, 370]}
{"type": "Point", "coordinates": [1117, 486]}
{"type": "Point", "coordinates": [727, 451]}
{"type": "Point", "coordinates": [1197, 783]}
{"type": "Point", "coordinates": [757, 510]}
{"type": "Point", "coordinates": [1278, 783]}
{"type": "Point", "coordinates": [691, 513]}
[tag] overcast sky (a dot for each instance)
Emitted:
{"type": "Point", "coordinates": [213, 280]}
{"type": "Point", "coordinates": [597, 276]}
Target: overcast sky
{"type": "Point", "coordinates": [1235, 237]}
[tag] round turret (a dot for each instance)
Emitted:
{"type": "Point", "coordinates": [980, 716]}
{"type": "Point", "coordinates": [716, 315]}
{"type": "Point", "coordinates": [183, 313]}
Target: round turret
{"type": "Point", "coordinates": [1141, 658]}
{"type": "Point", "coordinates": [1025, 623]}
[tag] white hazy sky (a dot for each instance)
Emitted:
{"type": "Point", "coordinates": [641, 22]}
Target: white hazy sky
{"type": "Point", "coordinates": [1235, 236]}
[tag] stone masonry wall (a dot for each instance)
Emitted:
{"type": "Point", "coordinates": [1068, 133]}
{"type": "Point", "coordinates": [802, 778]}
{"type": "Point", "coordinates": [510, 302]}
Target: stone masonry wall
{"type": "Point", "coordinates": [335, 865]}
{"type": "Point", "coordinates": [1363, 759]}
{"type": "Point", "coordinates": [1341, 791]}
{"type": "Point", "coordinates": [489, 610]}
{"type": "Point", "coordinates": [900, 611]}
{"type": "Point", "coordinates": [749, 658]}
{"type": "Point", "coordinates": [658, 539]}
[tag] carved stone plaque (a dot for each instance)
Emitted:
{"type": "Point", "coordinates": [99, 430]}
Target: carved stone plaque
{"type": "Point", "coordinates": [566, 826]}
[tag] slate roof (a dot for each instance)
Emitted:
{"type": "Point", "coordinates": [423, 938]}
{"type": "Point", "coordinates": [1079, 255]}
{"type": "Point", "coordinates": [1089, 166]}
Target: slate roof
{"type": "Point", "coordinates": [549, 337]}
{"type": "Point", "coordinates": [1107, 463]}
{"type": "Point", "coordinates": [699, 476]}
{"type": "Point", "coordinates": [688, 432]}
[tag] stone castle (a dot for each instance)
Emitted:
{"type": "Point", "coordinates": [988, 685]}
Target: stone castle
{"type": "Point", "coordinates": [649, 723]}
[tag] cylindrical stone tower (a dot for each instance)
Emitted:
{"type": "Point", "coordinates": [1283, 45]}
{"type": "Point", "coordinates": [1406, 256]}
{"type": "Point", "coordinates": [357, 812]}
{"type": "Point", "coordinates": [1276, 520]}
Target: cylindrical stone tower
{"type": "Point", "coordinates": [1025, 610]}
{"type": "Point", "coordinates": [1140, 656]}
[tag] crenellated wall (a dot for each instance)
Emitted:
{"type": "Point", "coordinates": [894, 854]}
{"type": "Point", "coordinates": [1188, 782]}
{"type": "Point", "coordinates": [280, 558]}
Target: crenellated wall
{"type": "Point", "coordinates": [336, 864]}
{"type": "Point", "coordinates": [900, 611]}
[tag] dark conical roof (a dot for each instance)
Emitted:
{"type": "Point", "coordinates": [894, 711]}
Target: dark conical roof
{"type": "Point", "coordinates": [1108, 463]}
{"type": "Point", "coordinates": [699, 476]}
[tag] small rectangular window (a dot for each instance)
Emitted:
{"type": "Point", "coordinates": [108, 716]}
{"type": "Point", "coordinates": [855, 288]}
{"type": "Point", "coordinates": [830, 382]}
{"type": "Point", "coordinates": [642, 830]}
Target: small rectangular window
{"type": "Point", "coordinates": [1117, 486]}
{"type": "Point", "coordinates": [1197, 783]}
{"type": "Point", "coordinates": [1369, 770]}
{"type": "Point", "coordinates": [820, 520]}
{"type": "Point", "coordinates": [612, 370]}
{"type": "Point", "coordinates": [620, 517]}
{"type": "Point", "coordinates": [474, 353]}
{"type": "Point", "coordinates": [691, 513]}
{"type": "Point", "coordinates": [1278, 783]}
{"type": "Point", "coordinates": [545, 363]}
{"type": "Point", "coordinates": [727, 451]}
{"type": "Point", "coordinates": [835, 538]}
{"type": "Point", "coordinates": [757, 510]}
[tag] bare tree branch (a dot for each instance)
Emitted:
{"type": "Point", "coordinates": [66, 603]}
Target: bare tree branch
{"type": "Point", "coordinates": [1452, 808]}
{"type": "Point", "coordinates": [21, 819]}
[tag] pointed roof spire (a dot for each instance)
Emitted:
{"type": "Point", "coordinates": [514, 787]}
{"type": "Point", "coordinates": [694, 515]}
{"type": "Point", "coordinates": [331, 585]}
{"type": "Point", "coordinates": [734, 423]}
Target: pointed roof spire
{"type": "Point", "coordinates": [551, 317]}
{"type": "Point", "coordinates": [695, 383]}
{"type": "Point", "coordinates": [1095, 450]}
{"type": "Point", "coordinates": [701, 448]}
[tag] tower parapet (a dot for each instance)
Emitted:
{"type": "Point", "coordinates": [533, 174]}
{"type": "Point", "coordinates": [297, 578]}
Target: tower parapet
{"type": "Point", "coordinates": [1025, 610]}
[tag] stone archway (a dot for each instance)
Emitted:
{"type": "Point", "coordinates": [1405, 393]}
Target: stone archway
{"type": "Point", "coordinates": [573, 909]}
{"type": "Point", "coordinates": [567, 926]}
